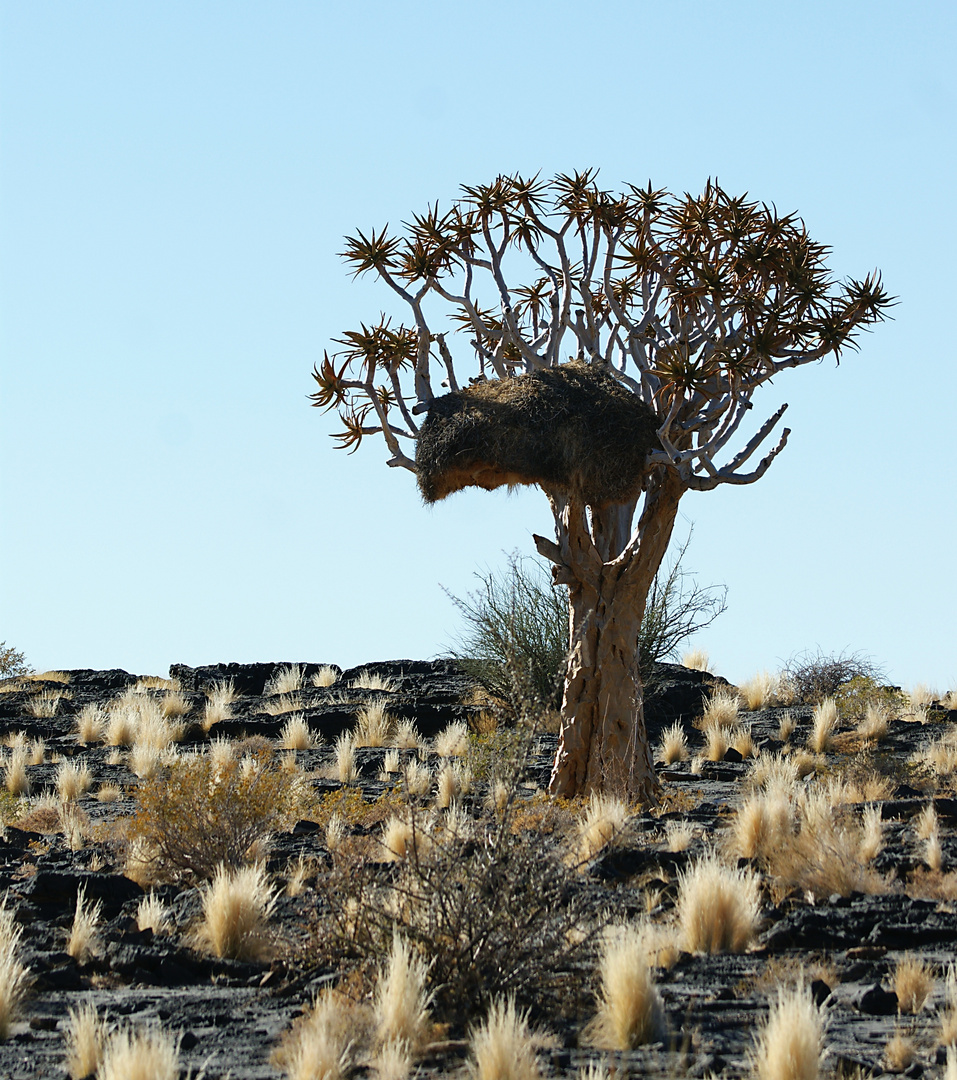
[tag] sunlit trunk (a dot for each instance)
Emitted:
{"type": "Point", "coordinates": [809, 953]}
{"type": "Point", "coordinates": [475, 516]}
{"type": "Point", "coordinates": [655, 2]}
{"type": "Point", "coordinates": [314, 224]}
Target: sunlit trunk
{"type": "Point", "coordinates": [603, 743]}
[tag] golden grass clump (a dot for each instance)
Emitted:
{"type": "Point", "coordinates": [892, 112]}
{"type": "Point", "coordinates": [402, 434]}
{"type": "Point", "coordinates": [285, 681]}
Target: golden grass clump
{"type": "Point", "coordinates": [401, 1002]}
{"type": "Point", "coordinates": [718, 907]}
{"type": "Point", "coordinates": [143, 1054]}
{"type": "Point", "coordinates": [345, 766]}
{"type": "Point", "coordinates": [219, 700]}
{"type": "Point", "coordinates": [86, 1034]}
{"type": "Point", "coordinates": [453, 740]}
{"type": "Point", "coordinates": [15, 978]}
{"type": "Point", "coordinates": [373, 724]}
{"type": "Point", "coordinates": [717, 740]}
{"type": "Point", "coordinates": [85, 941]}
{"type": "Point", "coordinates": [296, 734]}
{"type": "Point", "coordinates": [73, 779]}
{"type": "Point", "coordinates": [824, 721]}
{"type": "Point", "coordinates": [237, 905]}
{"type": "Point", "coordinates": [602, 823]}
{"type": "Point", "coordinates": [948, 1014]}
{"type": "Point", "coordinates": [284, 703]}
{"type": "Point", "coordinates": [630, 1009]}
{"type": "Point", "coordinates": [720, 710]}
{"type": "Point", "coordinates": [90, 724]}
{"type": "Point", "coordinates": [875, 724]}
{"type": "Point", "coordinates": [759, 691]}
{"type": "Point", "coordinates": [407, 735]}
{"type": "Point", "coordinates": [900, 1052]}
{"type": "Point", "coordinates": [175, 703]}
{"type": "Point", "coordinates": [320, 1046]}
{"type": "Point", "coordinates": [913, 980]}
{"type": "Point", "coordinates": [790, 1043]}
{"type": "Point", "coordinates": [325, 676]}
{"type": "Point", "coordinates": [786, 726]}
{"type": "Point", "coordinates": [674, 744]}
{"type": "Point", "coordinates": [45, 704]}
{"type": "Point", "coordinates": [762, 825]}
{"type": "Point", "coordinates": [287, 680]}
{"type": "Point", "coordinates": [417, 778]}
{"type": "Point", "coordinates": [367, 680]}
{"type": "Point", "coordinates": [678, 835]}
{"type": "Point", "coordinates": [696, 660]}
{"type": "Point", "coordinates": [503, 1046]}
{"type": "Point", "coordinates": [152, 913]}
{"type": "Point", "coordinates": [16, 779]}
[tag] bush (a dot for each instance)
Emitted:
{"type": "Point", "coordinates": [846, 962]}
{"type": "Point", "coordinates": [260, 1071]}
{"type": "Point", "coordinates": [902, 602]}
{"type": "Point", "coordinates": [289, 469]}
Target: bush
{"type": "Point", "coordinates": [12, 662]}
{"type": "Point", "coordinates": [814, 677]}
{"type": "Point", "coordinates": [515, 642]}
{"type": "Point", "coordinates": [198, 815]}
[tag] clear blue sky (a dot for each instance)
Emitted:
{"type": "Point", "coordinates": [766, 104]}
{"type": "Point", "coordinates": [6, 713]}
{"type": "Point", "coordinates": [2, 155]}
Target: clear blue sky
{"type": "Point", "coordinates": [175, 181]}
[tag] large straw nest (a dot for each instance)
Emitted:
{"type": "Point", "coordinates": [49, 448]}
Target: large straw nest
{"type": "Point", "coordinates": [572, 429]}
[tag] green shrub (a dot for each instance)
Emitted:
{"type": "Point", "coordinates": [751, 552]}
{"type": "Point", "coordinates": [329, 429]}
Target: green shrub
{"type": "Point", "coordinates": [515, 641]}
{"type": "Point", "coordinates": [196, 815]}
{"type": "Point", "coordinates": [12, 662]}
{"type": "Point", "coordinates": [854, 696]}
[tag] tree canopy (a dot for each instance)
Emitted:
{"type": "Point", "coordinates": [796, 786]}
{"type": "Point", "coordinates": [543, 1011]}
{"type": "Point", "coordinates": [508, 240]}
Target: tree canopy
{"type": "Point", "coordinates": [692, 302]}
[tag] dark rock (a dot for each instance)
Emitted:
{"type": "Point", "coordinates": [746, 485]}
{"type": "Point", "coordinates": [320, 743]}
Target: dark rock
{"type": "Point", "coordinates": [820, 991]}
{"type": "Point", "coordinates": [876, 1001]}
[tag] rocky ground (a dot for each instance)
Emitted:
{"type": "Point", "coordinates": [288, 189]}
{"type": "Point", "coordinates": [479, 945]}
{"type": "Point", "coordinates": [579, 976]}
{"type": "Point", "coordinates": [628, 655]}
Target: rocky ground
{"type": "Point", "coordinates": [230, 1014]}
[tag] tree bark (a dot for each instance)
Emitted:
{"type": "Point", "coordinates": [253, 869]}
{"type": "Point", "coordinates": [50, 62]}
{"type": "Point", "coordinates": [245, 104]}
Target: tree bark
{"type": "Point", "coordinates": [603, 742]}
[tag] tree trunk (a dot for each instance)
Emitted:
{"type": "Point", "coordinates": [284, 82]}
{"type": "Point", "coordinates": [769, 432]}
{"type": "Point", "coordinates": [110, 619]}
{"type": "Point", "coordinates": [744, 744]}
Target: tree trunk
{"type": "Point", "coordinates": [603, 743]}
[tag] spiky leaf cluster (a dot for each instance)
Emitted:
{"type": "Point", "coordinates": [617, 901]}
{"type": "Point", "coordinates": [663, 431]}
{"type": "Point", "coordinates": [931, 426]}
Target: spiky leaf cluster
{"type": "Point", "coordinates": [692, 301]}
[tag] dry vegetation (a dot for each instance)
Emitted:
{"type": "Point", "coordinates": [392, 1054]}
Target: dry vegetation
{"type": "Point", "coordinates": [456, 901]}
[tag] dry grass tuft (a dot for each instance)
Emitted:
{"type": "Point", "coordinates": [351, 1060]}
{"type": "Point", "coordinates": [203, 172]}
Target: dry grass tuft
{"type": "Point", "coordinates": [503, 1046]}
{"type": "Point", "coordinates": [948, 1014]}
{"type": "Point", "coordinates": [790, 1043]}
{"type": "Point", "coordinates": [146, 1054]}
{"type": "Point", "coordinates": [85, 941]}
{"type": "Point", "coordinates": [762, 825]}
{"type": "Point", "coordinates": [720, 710]}
{"type": "Point", "coordinates": [219, 699]}
{"type": "Point", "coordinates": [86, 1033]}
{"type": "Point", "coordinates": [155, 682]}
{"type": "Point", "coordinates": [285, 703]}
{"type": "Point", "coordinates": [296, 734]}
{"type": "Point", "coordinates": [73, 779]}
{"type": "Point", "coordinates": [417, 778]}
{"type": "Point", "coordinates": [718, 907]}
{"type": "Point", "coordinates": [824, 721]}
{"type": "Point", "coordinates": [922, 696]}
{"type": "Point", "coordinates": [15, 978]}
{"type": "Point", "coordinates": [45, 704]}
{"type": "Point", "coordinates": [678, 835]}
{"type": "Point", "coordinates": [900, 1052]}
{"type": "Point", "coordinates": [603, 822]}
{"type": "Point", "coordinates": [373, 724]}
{"type": "Point", "coordinates": [90, 724]}
{"type": "Point", "coordinates": [108, 792]}
{"type": "Point", "coordinates": [152, 914]}
{"type": "Point", "coordinates": [346, 769]}
{"type": "Point", "coordinates": [401, 1004]}
{"type": "Point", "coordinates": [287, 680]}
{"type": "Point", "coordinates": [15, 772]}
{"type": "Point", "coordinates": [325, 676]}
{"type": "Point", "coordinates": [175, 703]}
{"type": "Point", "coordinates": [717, 740]}
{"type": "Point", "coordinates": [786, 726]}
{"type": "Point", "coordinates": [674, 745]}
{"type": "Point", "coordinates": [320, 1046]}
{"type": "Point", "coordinates": [875, 724]}
{"type": "Point", "coordinates": [914, 980]}
{"type": "Point", "coordinates": [407, 736]}
{"type": "Point", "coordinates": [365, 680]}
{"type": "Point", "coordinates": [452, 741]}
{"type": "Point", "coordinates": [630, 1010]}
{"type": "Point", "coordinates": [696, 660]}
{"type": "Point", "coordinates": [759, 691]}
{"type": "Point", "coordinates": [237, 905]}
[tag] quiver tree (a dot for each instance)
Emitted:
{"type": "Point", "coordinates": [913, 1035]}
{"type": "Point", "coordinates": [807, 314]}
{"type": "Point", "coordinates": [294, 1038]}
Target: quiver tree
{"type": "Point", "coordinates": [615, 343]}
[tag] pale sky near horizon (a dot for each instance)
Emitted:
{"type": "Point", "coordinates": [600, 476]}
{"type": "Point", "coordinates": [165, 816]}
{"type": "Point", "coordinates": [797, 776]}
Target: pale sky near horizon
{"type": "Point", "coordinates": [175, 182]}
